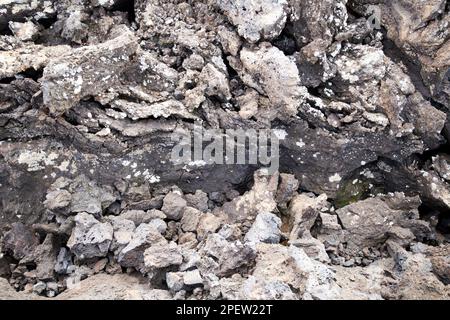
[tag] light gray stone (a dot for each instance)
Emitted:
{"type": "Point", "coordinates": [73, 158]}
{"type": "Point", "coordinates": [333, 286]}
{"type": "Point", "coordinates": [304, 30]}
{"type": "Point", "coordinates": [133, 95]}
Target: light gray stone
{"type": "Point", "coordinates": [173, 205]}
{"type": "Point", "coordinates": [86, 71]}
{"type": "Point", "coordinates": [256, 19]}
{"type": "Point", "coordinates": [57, 199]}
{"type": "Point", "coordinates": [162, 255]}
{"type": "Point", "coordinates": [143, 237]}
{"type": "Point", "coordinates": [90, 238]}
{"type": "Point", "coordinates": [266, 228]}
{"type": "Point", "coordinates": [190, 219]}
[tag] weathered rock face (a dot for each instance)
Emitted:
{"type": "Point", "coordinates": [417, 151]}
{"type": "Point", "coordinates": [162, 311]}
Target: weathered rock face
{"type": "Point", "coordinates": [303, 211]}
{"type": "Point", "coordinates": [143, 237]}
{"type": "Point", "coordinates": [12, 10]}
{"type": "Point", "coordinates": [86, 72]}
{"type": "Point", "coordinates": [226, 257]}
{"type": "Point", "coordinates": [255, 20]}
{"type": "Point", "coordinates": [90, 238]}
{"type": "Point", "coordinates": [28, 57]}
{"type": "Point", "coordinates": [269, 71]}
{"type": "Point", "coordinates": [420, 31]}
{"type": "Point", "coordinates": [162, 255]}
{"type": "Point", "coordinates": [266, 228]}
{"type": "Point", "coordinates": [356, 93]}
{"type": "Point", "coordinates": [370, 222]}
{"type": "Point", "coordinates": [260, 199]}
{"type": "Point", "coordinates": [20, 241]}
{"type": "Point", "coordinates": [315, 21]}
{"type": "Point", "coordinates": [173, 205]}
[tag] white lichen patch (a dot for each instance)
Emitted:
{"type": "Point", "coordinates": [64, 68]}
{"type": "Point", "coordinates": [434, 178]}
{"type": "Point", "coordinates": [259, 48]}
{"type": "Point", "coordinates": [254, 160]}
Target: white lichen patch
{"type": "Point", "coordinates": [280, 134]}
{"type": "Point", "coordinates": [37, 160]}
{"type": "Point", "coordinates": [300, 144]}
{"type": "Point", "coordinates": [335, 178]}
{"type": "Point", "coordinates": [78, 83]}
{"type": "Point", "coordinates": [368, 174]}
{"type": "Point", "coordinates": [197, 163]}
{"type": "Point", "coordinates": [64, 165]}
{"type": "Point", "coordinates": [154, 179]}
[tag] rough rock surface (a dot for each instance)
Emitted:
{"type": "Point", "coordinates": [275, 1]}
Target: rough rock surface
{"type": "Point", "coordinates": [116, 287]}
{"type": "Point", "coordinates": [266, 228]}
{"type": "Point", "coordinates": [93, 205]}
{"type": "Point", "coordinates": [256, 19]}
{"type": "Point", "coordinates": [86, 71]}
{"type": "Point", "coordinates": [90, 238]}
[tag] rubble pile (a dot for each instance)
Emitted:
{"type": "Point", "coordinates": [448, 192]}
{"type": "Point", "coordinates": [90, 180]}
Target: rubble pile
{"type": "Point", "coordinates": [92, 207]}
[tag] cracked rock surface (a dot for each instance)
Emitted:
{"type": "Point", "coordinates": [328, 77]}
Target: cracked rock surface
{"type": "Point", "coordinates": [356, 91]}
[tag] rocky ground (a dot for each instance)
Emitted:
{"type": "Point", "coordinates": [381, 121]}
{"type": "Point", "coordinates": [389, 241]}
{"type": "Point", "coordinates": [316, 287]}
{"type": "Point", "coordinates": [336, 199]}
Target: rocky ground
{"type": "Point", "coordinates": [92, 207]}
